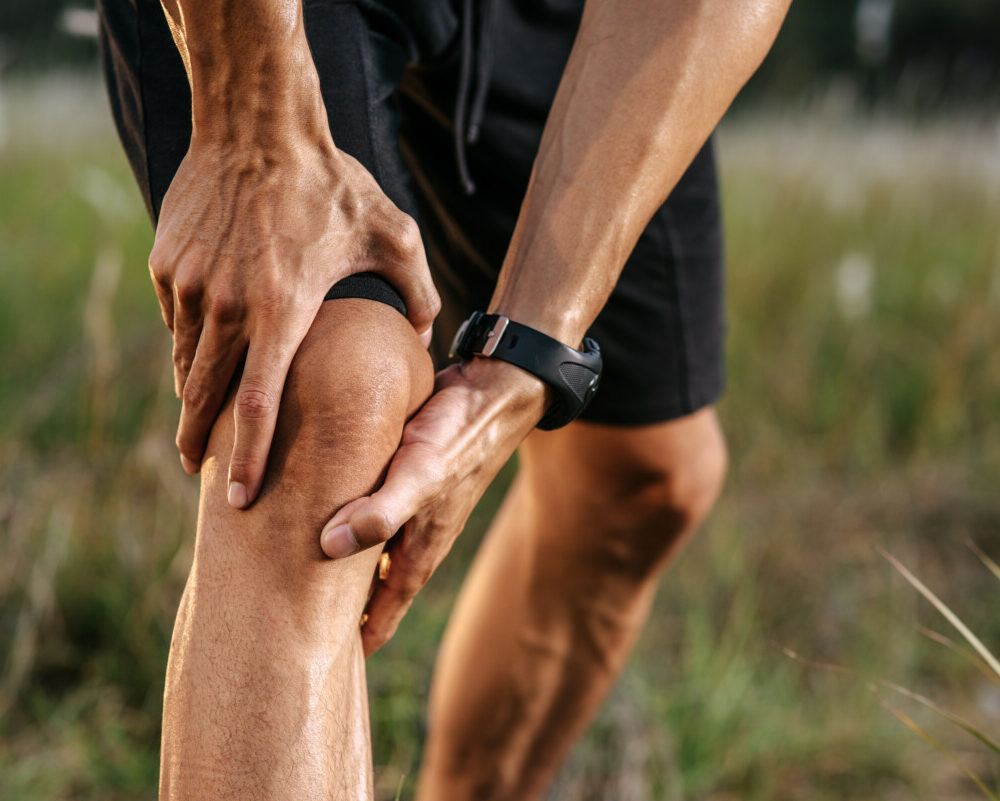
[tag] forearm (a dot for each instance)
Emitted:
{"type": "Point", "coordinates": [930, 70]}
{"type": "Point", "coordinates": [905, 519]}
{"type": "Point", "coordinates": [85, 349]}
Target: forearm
{"type": "Point", "coordinates": [263, 215]}
{"type": "Point", "coordinates": [645, 85]}
{"type": "Point", "coordinates": [251, 72]}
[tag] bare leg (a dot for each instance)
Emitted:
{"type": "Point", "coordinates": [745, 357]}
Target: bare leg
{"type": "Point", "coordinates": [557, 596]}
{"type": "Point", "coordinates": [265, 694]}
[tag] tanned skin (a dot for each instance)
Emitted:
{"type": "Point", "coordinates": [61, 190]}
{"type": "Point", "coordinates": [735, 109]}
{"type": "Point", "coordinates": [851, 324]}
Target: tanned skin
{"type": "Point", "coordinates": [264, 215]}
{"type": "Point", "coordinates": [645, 85]}
{"type": "Point", "coordinates": [265, 685]}
{"type": "Point", "coordinates": [265, 692]}
{"type": "Point", "coordinates": [557, 596]}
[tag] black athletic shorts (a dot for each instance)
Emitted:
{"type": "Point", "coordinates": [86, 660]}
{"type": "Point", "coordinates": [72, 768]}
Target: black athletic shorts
{"type": "Point", "coordinates": [408, 85]}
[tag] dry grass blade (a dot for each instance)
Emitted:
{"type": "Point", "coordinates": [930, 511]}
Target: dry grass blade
{"type": "Point", "coordinates": [966, 654]}
{"type": "Point", "coordinates": [918, 729]}
{"type": "Point", "coordinates": [992, 566]}
{"type": "Point", "coordinates": [950, 616]}
{"type": "Point", "coordinates": [927, 702]}
{"type": "Point", "coordinates": [876, 683]}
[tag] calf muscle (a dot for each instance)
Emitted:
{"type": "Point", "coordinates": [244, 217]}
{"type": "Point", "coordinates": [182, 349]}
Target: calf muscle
{"type": "Point", "coordinates": [265, 693]}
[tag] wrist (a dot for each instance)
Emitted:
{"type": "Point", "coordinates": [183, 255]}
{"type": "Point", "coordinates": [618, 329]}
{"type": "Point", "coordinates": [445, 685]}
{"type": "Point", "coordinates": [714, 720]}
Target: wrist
{"type": "Point", "coordinates": [519, 392]}
{"type": "Point", "coordinates": [562, 306]}
{"type": "Point", "coordinates": [268, 95]}
{"type": "Point", "coordinates": [560, 324]}
{"type": "Point", "coordinates": [571, 374]}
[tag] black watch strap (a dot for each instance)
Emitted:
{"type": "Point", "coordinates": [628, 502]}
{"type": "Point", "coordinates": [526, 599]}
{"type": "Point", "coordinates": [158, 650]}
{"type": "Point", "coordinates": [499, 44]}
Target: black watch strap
{"type": "Point", "coordinates": [572, 374]}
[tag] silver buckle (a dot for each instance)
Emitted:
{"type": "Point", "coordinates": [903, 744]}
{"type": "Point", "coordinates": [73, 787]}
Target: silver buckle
{"type": "Point", "coordinates": [494, 335]}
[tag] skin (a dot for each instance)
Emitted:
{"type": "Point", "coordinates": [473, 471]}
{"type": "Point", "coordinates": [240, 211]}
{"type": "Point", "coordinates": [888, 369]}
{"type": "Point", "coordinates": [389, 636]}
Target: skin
{"type": "Point", "coordinates": [665, 72]}
{"type": "Point", "coordinates": [265, 692]}
{"type": "Point", "coordinates": [265, 216]}
{"type": "Point", "coordinates": [557, 596]}
{"type": "Point", "coordinates": [262, 217]}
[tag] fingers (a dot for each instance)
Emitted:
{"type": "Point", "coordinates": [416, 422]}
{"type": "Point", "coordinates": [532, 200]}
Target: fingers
{"type": "Point", "coordinates": [256, 413]}
{"type": "Point", "coordinates": [384, 612]}
{"type": "Point", "coordinates": [165, 295]}
{"type": "Point", "coordinates": [411, 275]}
{"type": "Point", "coordinates": [371, 521]}
{"type": "Point", "coordinates": [422, 302]}
{"type": "Point", "coordinates": [405, 568]}
{"type": "Point", "coordinates": [218, 355]}
{"type": "Point", "coordinates": [186, 328]}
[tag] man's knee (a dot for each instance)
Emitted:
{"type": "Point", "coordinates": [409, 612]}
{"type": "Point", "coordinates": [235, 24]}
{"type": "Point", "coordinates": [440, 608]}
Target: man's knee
{"type": "Point", "coordinates": [677, 485]}
{"type": "Point", "coordinates": [637, 491]}
{"type": "Point", "coordinates": [358, 375]}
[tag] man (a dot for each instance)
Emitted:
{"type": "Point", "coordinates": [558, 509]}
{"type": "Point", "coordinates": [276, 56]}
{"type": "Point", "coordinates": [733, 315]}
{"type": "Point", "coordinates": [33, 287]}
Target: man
{"type": "Point", "coordinates": [310, 143]}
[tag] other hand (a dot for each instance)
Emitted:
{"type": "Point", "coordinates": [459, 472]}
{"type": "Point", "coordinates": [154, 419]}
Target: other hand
{"type": "Point", "coordinates": [450, 452]}
{"type": "Point", "coordinates": [249, 240]}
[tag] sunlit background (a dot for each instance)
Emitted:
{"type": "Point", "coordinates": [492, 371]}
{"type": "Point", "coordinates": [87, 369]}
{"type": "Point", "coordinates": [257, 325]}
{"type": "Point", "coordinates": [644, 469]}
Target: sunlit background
{"type": "Point", "coordinates": [861, 176]}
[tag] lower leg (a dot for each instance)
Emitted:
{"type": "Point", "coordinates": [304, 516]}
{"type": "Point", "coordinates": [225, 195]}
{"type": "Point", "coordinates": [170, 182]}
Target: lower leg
{"type": "Point", "coordinates": [265, 694]}
{"type": "Point", "coordinates": [557, 597]}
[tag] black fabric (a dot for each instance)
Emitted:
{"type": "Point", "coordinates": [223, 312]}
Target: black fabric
{"type": "Point", "coordinates": [389, 74]}
{"type": "Point", "coordinates": [370, 286]}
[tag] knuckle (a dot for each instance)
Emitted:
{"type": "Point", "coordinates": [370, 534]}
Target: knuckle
{"type": "Point", "coordinates": [158, 265]}
{"type": "Point", "coordinates": [273, 294]}
{"type": "Point", "coordinates": [188, 291]}
{"type": "Point", "coordinates": [432, 306]}
{"type": "Point", "coordinates": [408, 238]}
{"type": "Point", "coordinates": [386, 629]}
{"type": "Point", "coordinates": [413, 582]}
{"type": "Point", "coordinates": [186, 442]}
{"type": "Point", "coordinates": [435, 475]}
{"type": "Point", "coordinates": [225, 307]}
{"type": "Point", "coordinates": [255, 403]}
{"type": "Point", "coordinates": [380, 525]}
{"type": "Point", "coordinates": [182, 360]}
{"type": "Point", "coordinates": [195, 395]}
{"type": "Point", "coordinates": [350, 204]}
{"type": "Point", "coordinates": [242, 468]}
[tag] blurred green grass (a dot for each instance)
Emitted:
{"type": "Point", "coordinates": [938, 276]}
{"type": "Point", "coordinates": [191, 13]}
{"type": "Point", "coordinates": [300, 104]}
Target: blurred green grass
{"type": "Point", "coordinates": [864, 298]}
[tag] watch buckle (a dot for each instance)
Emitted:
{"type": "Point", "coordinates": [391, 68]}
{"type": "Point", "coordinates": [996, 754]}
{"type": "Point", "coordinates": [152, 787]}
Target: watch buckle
{"type": "Point", "coordinates": [494, 335]}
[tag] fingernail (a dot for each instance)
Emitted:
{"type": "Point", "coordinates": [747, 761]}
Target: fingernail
{"type": "Point", "coordinates": [339, 542]}
{"type": "Point", "coordinates": [237, 495]}
{"type": "Point", "coordinates": [189, 466]}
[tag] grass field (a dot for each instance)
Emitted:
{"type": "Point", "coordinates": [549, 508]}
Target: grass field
{"type": "Point", "coordinates": [863, 411]}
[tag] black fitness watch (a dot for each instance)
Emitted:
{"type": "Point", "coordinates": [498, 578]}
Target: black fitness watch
{"type": "Point", "coordinates": [572, 374]}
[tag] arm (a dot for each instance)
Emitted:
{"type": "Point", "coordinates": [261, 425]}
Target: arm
{"type": "Point", "coordinates": [262, 217]}
{"type": "Point", "coordinates": [645, 85]}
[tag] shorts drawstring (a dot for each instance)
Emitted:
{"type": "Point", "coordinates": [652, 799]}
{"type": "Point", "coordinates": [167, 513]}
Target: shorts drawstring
{"type": "Point", "coordinates": [482, 52]}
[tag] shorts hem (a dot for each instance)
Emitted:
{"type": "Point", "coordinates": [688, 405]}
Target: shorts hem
{"type": "Point", "coordinates": [649, 414]}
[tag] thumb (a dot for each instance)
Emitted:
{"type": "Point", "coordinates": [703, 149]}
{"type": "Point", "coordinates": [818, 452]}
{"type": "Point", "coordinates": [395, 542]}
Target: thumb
{"type": "Point", "coordinates": [372, 520]}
